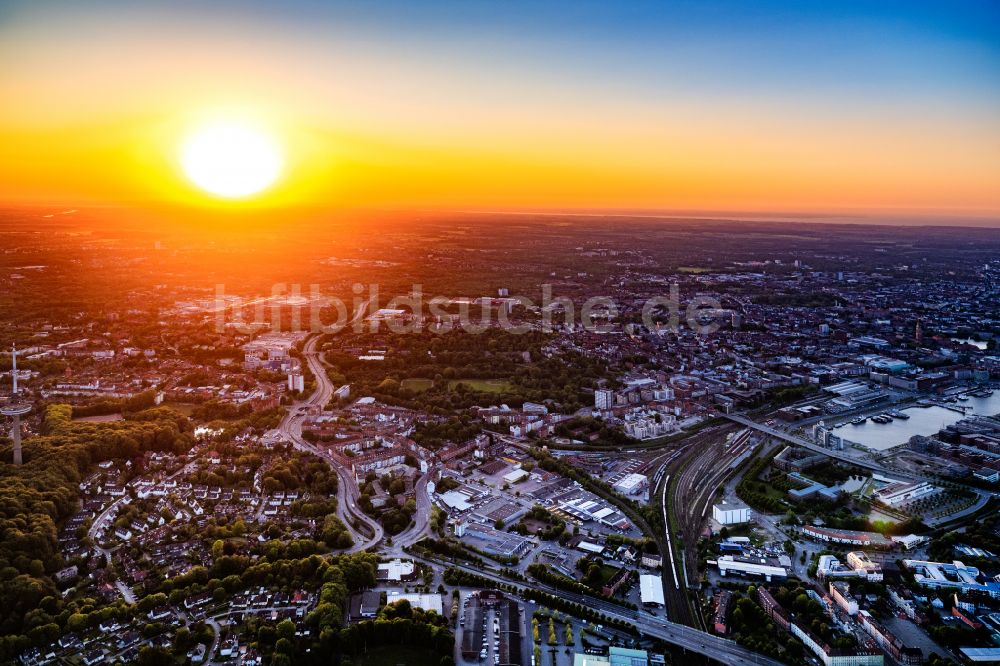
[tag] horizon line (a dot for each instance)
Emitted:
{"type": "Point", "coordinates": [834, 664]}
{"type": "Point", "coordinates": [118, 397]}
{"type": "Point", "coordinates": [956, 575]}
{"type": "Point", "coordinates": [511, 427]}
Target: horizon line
{"type": "Point", "coordinates": [884, 216]}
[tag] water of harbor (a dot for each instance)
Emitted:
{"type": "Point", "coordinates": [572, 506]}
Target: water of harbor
{"type": "Point", "coordinates": [923, 421]}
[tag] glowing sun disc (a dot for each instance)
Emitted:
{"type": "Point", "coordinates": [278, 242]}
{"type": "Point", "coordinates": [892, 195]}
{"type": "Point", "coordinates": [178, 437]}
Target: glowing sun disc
{"type": "Point", "coordinates": [231, 159]}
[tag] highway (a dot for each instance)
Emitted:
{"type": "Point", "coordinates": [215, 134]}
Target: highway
{"type": "Point", "coordinates": [420, 527]}
{"type": "Point", "coordinates": [365, 530]}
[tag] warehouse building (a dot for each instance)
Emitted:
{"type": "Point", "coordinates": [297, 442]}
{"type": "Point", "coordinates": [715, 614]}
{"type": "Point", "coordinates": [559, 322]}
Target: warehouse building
{"type": "Point", "coordinates": [749, 567]}
{"type": "Point", "coordinates": [651, 590]}
{"type": "Point", "coordinates": [850, 537]}
{"type": "Point", "coordinates": [631, 484]}
{"type": "Point", "coordinates": [732, 513]}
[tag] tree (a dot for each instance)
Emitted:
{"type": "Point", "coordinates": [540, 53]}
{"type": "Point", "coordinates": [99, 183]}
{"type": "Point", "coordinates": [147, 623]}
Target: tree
{"type": "Point", "coordinates": [265, 634]}
{"type": "Point", "coordinates": [155, 656]}
{"type": "Point", "coordinates": [388, 385]}
{"type": "Point", "coordinates": [285, 629]}
{"type": "Point", "coordinates": [401, 608]}
{"type": "Point", "coordinates": [183, 640]}
{"type": "Point", "coordinates": [76, 622]}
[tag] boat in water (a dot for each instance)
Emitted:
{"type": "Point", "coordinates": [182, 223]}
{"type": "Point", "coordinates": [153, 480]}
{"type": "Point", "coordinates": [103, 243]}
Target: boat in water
{"type": "Point", "coordinates": [858, 421]}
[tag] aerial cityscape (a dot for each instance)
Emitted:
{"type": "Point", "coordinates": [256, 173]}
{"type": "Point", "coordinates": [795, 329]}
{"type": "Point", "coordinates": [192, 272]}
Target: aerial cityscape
{"type": "Point", "coordinates": [499, 334]}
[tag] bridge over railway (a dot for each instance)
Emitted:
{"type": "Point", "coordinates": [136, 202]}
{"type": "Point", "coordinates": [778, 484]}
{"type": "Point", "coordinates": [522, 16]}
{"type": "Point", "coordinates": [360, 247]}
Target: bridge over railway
{"type": "Point", "coordinates": [982, 495]}
{"type": "Point", "coordinates": [830, 453]}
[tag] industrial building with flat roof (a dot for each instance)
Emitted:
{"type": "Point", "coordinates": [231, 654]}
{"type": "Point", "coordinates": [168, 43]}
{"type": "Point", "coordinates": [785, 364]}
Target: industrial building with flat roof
{"type": "Point", "coordinates": [500, 509]}
{"type": "Point", "coordinates": [732, 513]}
{"type": "Point", "coordinates": [491, 541]}
{"type": "Point", "coordinates": [631, 484]}
{"type": "Point", "coordinates": [617, 656]}
{"type": "Point", "coordinates": [651, 590]}
{"type": "Point", "coordinates": [744, 566]}
{"type": "Point", "coordinates": [850, 537]}
{"type": "Point", "coordinates": [981, 655]}
{"type": "Point", "coordinates": [396, 571]}
{"type": "Point", "coordinates": [586, 509]}
{"type": "Point", "coordinates": [427, 602]}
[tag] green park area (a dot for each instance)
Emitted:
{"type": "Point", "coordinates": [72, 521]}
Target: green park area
{"type": "Point", "coordinates": [419, 385]}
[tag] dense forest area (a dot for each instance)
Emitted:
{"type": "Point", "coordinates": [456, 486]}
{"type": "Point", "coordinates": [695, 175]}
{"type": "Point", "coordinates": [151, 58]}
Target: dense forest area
{"type": "Point", "coordinates": [442, 373]}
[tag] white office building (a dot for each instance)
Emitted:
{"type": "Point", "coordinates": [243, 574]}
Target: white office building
{"type": "Point", "coordinates": [901, 494]}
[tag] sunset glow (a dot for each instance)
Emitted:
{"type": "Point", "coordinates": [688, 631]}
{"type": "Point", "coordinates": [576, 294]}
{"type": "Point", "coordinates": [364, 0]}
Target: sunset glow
{"type": "Point", "coordinates": [231, 159]}
{"type": "Point", "coordinates": [672, 107]}
{"type": "Point", "coordinates": [492, 333]}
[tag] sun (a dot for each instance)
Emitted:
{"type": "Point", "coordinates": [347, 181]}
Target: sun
{"type": "Point", "coordinates": [231, 159]}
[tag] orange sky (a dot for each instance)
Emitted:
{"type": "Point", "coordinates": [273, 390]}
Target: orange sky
{"type": "Point", "coordinates": [102, 103]}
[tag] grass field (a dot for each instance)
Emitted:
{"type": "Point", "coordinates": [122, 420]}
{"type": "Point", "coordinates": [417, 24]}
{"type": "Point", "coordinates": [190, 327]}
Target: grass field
{"type": "Point", "coordinates": [399, 655]}
{"type": "Point", "coordinates": [417, 384]}
{"type": "Point", "coordinates": [103, 418]}
{"type": "Point", "coordinates": [481, 385]}
{"type": "Point", "coordinates": [184, 408]}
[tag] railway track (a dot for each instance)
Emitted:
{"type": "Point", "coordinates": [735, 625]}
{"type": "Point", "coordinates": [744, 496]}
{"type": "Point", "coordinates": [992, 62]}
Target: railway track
{"type": "Point", "coordinates": [686, 483]}
{"type": "Point", "coordinates": [695, 491]}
